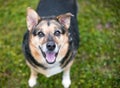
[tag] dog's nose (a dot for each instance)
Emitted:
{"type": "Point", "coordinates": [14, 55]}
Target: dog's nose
{"type": "Point", "coordinates": [51, 46]}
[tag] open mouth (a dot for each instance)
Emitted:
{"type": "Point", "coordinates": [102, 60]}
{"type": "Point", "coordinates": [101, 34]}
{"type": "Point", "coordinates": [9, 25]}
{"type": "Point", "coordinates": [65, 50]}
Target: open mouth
{"type": "Point", "coordinates": [50, 56]}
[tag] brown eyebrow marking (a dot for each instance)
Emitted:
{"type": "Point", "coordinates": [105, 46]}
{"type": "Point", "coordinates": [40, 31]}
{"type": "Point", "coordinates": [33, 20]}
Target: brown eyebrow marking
{"type": "Point", "coordinates": [35, 31]}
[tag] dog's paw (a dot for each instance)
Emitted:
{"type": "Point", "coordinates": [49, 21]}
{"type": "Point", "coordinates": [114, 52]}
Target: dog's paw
{"type": "Point", "coordinates": [66, 83]}
{"type": "Point", "coordinates": [32, 82]}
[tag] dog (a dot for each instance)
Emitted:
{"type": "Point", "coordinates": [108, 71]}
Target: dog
{"type": "Point", "coordinates": [51, 41]}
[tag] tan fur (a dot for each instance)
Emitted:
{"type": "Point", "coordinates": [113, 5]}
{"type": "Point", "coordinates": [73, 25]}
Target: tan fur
{"type": "Point", "coordinates": [66, 60]}
{"type": "Point", "coordinates": [36, 53]}
{"type": "Point", "coordinates": [35, 41]}
{"type": "Point", "coordinates": [68, 66]}
{"type": "Point", "coordinates": [36, 70]}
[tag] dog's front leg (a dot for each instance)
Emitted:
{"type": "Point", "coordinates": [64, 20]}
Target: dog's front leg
{"type": "Point", "coordinates": [33, 77]}
{"type": "Point", "coordinates": [66, 78]}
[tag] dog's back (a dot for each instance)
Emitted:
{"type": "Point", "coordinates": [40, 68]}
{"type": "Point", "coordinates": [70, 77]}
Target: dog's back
{"type": "Point", "coordinates": [57, 7]}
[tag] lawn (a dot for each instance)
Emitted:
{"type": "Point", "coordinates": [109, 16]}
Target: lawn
{"type": "Point", "coordinates": [97, 63]}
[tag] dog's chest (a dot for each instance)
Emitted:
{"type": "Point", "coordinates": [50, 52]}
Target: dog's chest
{"type": "Point", "coordinates": [52, 70]}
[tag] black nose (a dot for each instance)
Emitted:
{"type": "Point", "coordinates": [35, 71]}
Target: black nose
{"type": "Point", "coordinates": [50, 46]}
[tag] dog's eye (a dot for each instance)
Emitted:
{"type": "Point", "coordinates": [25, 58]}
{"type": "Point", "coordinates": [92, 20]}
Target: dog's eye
{"type": "Point", "coordinates": [41, 34]}
{"type": "Point", "coordinates": [57, 33]}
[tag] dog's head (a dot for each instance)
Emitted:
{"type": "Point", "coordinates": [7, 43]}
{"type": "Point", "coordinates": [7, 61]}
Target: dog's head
{"type": "Point", "coordinates": [48, 36]}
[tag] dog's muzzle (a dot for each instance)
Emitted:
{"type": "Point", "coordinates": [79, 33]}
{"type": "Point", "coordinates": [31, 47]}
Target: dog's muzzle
{"type": "Point", "coordinates": [50, 51]}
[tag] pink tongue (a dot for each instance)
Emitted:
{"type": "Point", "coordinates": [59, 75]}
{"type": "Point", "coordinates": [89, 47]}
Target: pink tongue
{"type": "Point", "coordinates": [50, 57]}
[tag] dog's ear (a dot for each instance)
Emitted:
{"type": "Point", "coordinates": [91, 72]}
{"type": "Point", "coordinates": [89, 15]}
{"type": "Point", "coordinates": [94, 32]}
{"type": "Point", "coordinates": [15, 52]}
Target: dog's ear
{"type": "Point", "coordinates": [32, 18]}
{"type": "Point", "coordinates": [65, 19]}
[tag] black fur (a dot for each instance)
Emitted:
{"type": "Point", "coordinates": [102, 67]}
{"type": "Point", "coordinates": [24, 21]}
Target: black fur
{"type": "Point", "coordinates": [56, 7]}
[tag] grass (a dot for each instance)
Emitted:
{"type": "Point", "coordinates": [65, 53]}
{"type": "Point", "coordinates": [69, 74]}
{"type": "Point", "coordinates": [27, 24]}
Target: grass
{"type": "Point", "coordinates": [97, 63]}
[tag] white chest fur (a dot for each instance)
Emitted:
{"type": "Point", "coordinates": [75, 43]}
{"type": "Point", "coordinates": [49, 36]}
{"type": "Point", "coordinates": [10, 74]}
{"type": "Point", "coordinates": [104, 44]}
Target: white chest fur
{"type": "Point", "coordinates": [51, 70]}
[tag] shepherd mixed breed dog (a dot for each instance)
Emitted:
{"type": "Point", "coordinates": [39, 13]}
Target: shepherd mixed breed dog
{"type": "Point", "coordinates": [52, 39]}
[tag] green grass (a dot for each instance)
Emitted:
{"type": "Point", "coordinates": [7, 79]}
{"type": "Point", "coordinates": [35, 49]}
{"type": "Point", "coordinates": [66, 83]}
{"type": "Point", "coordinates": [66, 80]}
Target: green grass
{"type": "Point", "coordinates": [97, 63]}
